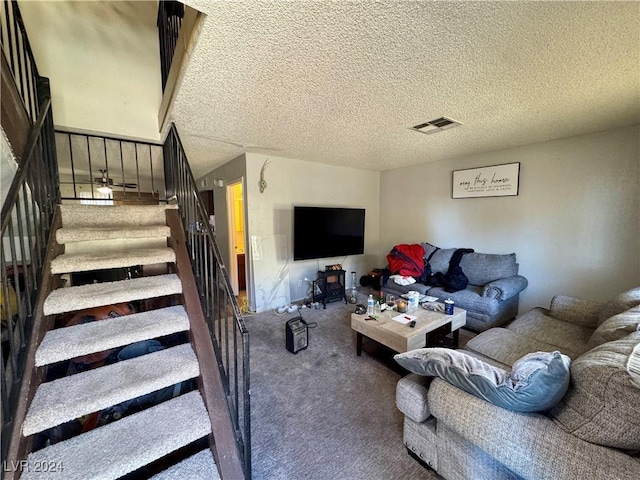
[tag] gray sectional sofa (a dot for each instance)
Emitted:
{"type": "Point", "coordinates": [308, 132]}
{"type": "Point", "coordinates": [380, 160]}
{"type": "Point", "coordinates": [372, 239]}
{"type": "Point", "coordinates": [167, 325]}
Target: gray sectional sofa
{"type": "Point", "coordinates": [593, 433]}
{"type": "Point", "coordinates": [492, 296]}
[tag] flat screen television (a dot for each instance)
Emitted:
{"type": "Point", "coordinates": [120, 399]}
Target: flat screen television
{"type": "Point", "coordinates": [321, 232]}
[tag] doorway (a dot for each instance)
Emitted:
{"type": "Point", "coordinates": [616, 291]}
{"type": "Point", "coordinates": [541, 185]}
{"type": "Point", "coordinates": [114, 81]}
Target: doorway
{"type": "Point", "coordinates": [236, 229]}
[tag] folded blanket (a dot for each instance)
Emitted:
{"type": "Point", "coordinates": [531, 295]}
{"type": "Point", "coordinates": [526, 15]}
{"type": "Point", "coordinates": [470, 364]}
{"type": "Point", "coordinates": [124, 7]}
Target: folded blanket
{"type": "Point", "coordinates": [402, 280]}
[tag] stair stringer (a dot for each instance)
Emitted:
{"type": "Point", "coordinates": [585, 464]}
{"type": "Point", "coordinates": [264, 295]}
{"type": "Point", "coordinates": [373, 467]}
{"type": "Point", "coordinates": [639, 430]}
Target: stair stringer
{"type": "Point", "coordinates": [223, 443]}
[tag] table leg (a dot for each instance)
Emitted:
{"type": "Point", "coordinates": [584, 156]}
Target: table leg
{"type": "Point", "coordinates": [358, 343]}
{"type": "Point", "coordinates": [456, 338]}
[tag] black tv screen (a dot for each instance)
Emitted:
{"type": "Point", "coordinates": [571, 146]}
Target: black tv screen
{"type": "Point", "coordinates": [320, 232]}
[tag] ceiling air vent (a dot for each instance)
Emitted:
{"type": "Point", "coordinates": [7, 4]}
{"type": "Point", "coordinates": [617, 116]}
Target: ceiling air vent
{"type": "Point", "coordinates": [437, 125]}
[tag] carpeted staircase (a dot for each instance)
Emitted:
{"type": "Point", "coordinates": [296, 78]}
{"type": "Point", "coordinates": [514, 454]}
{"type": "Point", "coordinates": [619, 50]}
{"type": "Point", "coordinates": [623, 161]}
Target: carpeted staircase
{"type": "Point", "coordinates": [130, 236]}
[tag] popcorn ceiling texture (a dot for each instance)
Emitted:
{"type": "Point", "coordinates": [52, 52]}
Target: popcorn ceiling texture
{"type": "Point", "coordinates": [341, 82]}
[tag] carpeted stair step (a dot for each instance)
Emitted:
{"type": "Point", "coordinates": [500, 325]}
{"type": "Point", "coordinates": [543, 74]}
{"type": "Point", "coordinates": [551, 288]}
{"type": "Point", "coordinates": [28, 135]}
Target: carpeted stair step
{"type": "Point", "coordinates": [108, 293]}
{"type": "Point", "coordinates": [85, 262]}
{"type": "Point", "coordinates": [121, 447]}
{"type": "Point", "coordinates": [74, 215]}
{"type": "Point", "coordinates": [200, 466]}
{"type": "Point", "coordinates": [86, 338]}
{"type": "Point", "coordinates": [72, 397]}
{"type": "Point", "coordinates": [84, 234]}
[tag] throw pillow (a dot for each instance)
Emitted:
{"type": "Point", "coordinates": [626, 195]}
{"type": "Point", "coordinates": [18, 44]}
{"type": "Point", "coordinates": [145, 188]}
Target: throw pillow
{"type": "Point", "coordinates": [616, 327]}
{"type": "Point", "coordinates": [537, 381]}
{"type": "Point", "coordinates": [429, 250]}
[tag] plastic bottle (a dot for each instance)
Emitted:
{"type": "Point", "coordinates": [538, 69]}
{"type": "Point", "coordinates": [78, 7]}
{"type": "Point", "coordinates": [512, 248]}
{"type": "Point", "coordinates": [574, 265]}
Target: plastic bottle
{"type": "Point", "coordinates": [370, 305]}
{"type": "Point", "coordinates": [377, 308]}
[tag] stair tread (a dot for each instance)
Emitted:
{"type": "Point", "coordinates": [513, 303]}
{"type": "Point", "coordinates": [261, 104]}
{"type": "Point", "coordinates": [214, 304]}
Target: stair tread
{"type": "Point", "coordinates": [200, 466]}
{"type": "Point", "coordinates": [114, 450]}
{"type": "Point", "coordinates": [72, 397]}
{"type": "Point", "coordinates": [84, 262]}
{"type": "Point", "coordinates": [80, 234]}
{"type": "Point", "coordinates": [74, 215]}
{"type": "Point", "coordinates": [80, 297]}
{"type": "Point", "coordinates": [86, 338]}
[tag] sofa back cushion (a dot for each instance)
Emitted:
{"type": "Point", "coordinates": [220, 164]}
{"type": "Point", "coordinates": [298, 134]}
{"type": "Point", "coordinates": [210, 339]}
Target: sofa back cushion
{"type": "Point", "coordinates": [602, 405]}
{"type": "Point", "coordinates": [616, 327]}
{"type": "Point", "coordinates": [619, 304]}
{"type": "Point", "coordinates": [440, 260]}
{"type": "Point", "coordinates": [482, 268]}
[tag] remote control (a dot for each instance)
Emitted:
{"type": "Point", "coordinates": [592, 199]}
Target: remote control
{"type": "Point", "coordinates": [412, 323]}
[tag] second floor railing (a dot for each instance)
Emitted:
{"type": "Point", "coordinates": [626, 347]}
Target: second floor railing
{"type": "Point", "coordinates": [106, 170]}
{"type": "Point", "coordinates": [228, 331]}
{"type": "Point", "coordinates": [170, 15]}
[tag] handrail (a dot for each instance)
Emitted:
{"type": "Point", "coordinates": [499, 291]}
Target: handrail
{"type": "Point", "coordinates": [26, 222]}
{"type": "Point", "coordinates": [24, 166]}
{"type": "Point", "coordinates": [20, 58]}
{"type": "Point", "coordinates": [228, 332]}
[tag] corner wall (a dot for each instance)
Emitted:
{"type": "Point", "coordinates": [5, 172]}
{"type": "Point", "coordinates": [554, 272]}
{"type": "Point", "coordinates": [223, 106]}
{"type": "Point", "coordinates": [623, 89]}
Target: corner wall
{"type": "Point", "coordinates": [276, 279]}
{"type": "Point", "coordinates": [575, 225]}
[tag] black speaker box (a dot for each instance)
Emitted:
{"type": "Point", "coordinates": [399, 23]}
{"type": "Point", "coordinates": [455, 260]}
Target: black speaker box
{"type": "Point", "coordinates": [297, 334]}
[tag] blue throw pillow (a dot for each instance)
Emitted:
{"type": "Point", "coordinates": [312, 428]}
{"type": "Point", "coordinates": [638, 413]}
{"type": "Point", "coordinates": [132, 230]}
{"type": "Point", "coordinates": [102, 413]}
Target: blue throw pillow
{"type": "Point", "coordinates": [536, 382]}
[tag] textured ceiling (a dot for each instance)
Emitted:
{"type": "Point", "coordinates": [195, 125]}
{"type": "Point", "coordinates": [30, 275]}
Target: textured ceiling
{"type": "Point", "coordinates": [341, 82]}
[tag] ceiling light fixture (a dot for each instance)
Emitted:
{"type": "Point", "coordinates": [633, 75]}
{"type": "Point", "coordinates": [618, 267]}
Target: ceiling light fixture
{"type": "Point", "coordinates": [104, 189]}
{"type": "Point", "coordinates": [437, 125]}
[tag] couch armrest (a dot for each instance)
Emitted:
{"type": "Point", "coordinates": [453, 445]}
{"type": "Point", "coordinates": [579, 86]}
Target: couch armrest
{"type": "Point", "coordinates": [411, 396]}
{"type": "Point", "coordinates": [529, 444]}
{"type": "Point", "coordinates": [575, 310]}
{"type": "Point", "coordinates": [505, 288]}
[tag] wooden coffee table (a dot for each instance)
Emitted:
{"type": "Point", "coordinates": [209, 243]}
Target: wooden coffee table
{"type": "Point", "coordinates": [430, 327]}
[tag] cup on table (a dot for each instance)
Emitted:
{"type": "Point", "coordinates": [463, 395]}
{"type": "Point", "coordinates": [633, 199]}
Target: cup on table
{"type": "Point", "coordinates": [390, 300]}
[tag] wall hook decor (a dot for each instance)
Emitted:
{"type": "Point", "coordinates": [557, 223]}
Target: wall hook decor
{"type": "Point", "coordinates": [263, 182]}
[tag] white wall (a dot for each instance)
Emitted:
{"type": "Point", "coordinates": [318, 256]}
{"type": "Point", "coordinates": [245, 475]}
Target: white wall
{"type": "Point", "coordinates": [275, 277]}
{"type": "Point", "coordinates": [575, 225]}
{"type": "Point", "coordinates": [103, 60]}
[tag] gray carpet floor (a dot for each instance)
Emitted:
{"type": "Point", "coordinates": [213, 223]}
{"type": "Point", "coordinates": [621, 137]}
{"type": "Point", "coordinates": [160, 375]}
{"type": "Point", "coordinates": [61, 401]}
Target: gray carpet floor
{"type": "Point", "coordinates": [323, 413]}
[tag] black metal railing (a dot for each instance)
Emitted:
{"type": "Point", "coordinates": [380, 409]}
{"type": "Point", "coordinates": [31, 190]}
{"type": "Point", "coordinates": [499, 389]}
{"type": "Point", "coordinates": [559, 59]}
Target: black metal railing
{"type": "Point", "coordinates": [101, 169]}
{"type": "Point", "coordinates": [170, 15]}
{"type": "Point", "coordinates": [228, 332]}
{"type": "Point", "coordinates": [27, 213]}
{"type": "Point", "coordinates": [17, 51]}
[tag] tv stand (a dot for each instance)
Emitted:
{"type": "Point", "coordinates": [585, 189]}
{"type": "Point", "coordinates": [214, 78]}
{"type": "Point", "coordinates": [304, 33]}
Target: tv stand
{"type": "Point", "coordinates": [331, 284]}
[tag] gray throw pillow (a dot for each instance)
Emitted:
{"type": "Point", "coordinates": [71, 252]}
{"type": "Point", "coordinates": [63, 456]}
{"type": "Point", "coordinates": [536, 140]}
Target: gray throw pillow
{"type": "Point", "coordinates": [537, 381]}
{"type": "Point", "coordinates": [428, 250]}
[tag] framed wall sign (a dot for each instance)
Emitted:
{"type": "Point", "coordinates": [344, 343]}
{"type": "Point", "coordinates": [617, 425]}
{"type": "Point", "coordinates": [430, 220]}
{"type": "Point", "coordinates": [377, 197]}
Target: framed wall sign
{"type": "Point", "coordinates": [493, 181]}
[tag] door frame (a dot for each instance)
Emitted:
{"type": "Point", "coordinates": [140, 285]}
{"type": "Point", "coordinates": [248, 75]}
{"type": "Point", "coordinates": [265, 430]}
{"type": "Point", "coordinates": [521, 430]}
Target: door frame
{"type": "Point", "coordinates": [231, 222]}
